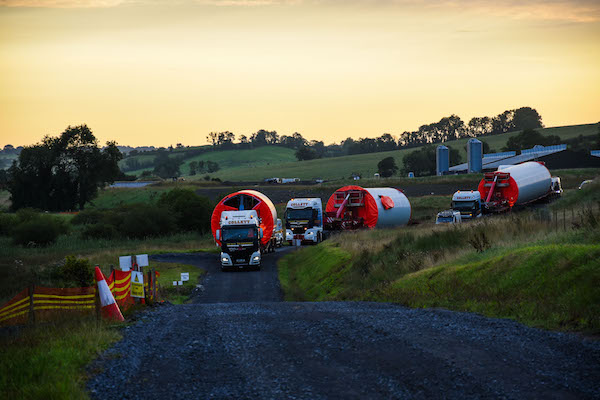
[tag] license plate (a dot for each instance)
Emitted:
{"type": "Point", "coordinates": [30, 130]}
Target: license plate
{"type": "Point", "coordinates": [298, 236]}
{"type": "Point", "coordinates": [240, 260]}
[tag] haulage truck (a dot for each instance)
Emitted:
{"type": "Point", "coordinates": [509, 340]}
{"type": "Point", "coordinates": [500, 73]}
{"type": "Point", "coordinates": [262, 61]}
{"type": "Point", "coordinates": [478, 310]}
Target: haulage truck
{"type": "Point", "coordinates": [304, 220]}
{"type": "Point", "coordinates": [243, 225]}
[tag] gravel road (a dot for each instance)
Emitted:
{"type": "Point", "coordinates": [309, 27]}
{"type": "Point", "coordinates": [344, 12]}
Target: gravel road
{"type": "Point", "coordinates": [239, 341]}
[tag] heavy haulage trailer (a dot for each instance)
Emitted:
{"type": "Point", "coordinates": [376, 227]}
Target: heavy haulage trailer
{"type": "Point", "coordinates": [243, 225]}
{"type": "Point", "coordinates": [353, 207]}
{"type": "Point", "coordinates": [517, 185]}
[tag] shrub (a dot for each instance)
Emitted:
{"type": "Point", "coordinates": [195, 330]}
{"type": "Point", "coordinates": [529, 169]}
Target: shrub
{"type": "Point", "coordinates": [145, 220]}
{"type": "Point", "coordinates": [39, 230]}
{"type": "Point", "coordinates": [7, 223]}
{"type": "Point", "coordinates": [192, 212]}
{"type": "Point", "coordinates": [87, 217]}
{"type": "Point", "coordinates": [99, 231]}
{"type": "Point", "coordinates": [77, 271]}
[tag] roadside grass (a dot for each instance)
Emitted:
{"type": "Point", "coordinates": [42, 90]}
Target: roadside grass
{"type": "Point", "coordinates": [427, 207]}
{"type": "Point", "coordinates": [587, 197]}
{"type": "Point", "coordinates": [551, 287]}
{"type": "Point", "coordinates": [170, 272]}
{"type": "Point", "coordinates": [20, 266]}
{"type": "Point", "coordinates": [48, 361]}
{"type": "Point", "coordinates": [555, 276]}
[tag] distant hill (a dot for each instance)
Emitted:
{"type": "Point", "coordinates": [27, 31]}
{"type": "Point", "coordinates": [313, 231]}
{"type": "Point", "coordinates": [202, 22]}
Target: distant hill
{"type": "Point", "coordinates": [228, 159]}
{"type": "Point", "coordinates": [275, 161]}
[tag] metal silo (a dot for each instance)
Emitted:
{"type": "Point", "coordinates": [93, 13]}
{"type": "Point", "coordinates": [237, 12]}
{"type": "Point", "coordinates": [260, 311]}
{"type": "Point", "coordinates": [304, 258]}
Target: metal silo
{"type": "Point", "coordinates": [442, 160]}
{"type": "Point", "coordinates": [474, 155]}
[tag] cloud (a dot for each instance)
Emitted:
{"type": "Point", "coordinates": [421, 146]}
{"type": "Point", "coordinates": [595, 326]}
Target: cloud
{"type": "Point", "coordinates": [61, 3]}
{"type": "Point", "coordinates": [582, 11]}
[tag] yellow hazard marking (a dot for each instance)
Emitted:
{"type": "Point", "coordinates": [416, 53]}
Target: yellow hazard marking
{"type": "Point", "coordinates": [58, 296]}
{"type": "Point", "coordinates": [14, 304]}
{"type": "Point", "coordinates": [7, 312]}
{"type": "Point", "coordinates": [119, 281]}
{"type": "Point", "coordinates": [63, 302]}
{"type": "Point", "coordinates": [13, 315]}
{"type": "Point", "coordinates": [62, 307]}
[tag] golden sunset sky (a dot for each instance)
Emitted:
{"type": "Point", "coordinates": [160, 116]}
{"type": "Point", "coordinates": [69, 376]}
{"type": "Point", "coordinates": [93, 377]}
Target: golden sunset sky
{"type": "Point", "coordinates": [157, 72]}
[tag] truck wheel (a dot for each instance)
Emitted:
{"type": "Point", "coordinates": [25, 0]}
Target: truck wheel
{"type": "Point", "coordinates": [319, 238]}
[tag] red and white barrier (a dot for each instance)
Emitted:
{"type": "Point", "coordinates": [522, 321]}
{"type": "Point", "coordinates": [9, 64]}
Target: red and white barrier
{"type": "Point", "coordinates": [110, 309]}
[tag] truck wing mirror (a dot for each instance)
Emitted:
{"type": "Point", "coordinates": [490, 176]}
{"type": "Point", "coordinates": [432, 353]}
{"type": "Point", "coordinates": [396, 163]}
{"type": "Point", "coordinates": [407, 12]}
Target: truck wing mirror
{"type": "Point", "coordinates": [218, 234]}
{"type": "Point", "coordinates": [260, 233]}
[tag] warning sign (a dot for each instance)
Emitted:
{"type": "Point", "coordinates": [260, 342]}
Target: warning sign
{"type": "Point", "coordinates": [137, 284]}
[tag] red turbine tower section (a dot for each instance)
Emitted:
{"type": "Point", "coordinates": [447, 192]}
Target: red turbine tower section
{"type": "Point", "coordinates": [515, 185]}
{"type": "Point", "coordinates": [352, 207]}
{"type": "Point", "coordinates": [247, 200]}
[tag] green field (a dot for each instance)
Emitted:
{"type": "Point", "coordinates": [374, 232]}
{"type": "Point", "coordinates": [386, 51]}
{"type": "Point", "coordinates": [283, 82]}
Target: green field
{"type": "Point", "coordinates": [530, 266]}
{"type": "Point", "coordinates": [269, 161]}
{"type": "Point", "coordinates": [228, 159]}
{"type": "Point", "coordinates": [366, 164]}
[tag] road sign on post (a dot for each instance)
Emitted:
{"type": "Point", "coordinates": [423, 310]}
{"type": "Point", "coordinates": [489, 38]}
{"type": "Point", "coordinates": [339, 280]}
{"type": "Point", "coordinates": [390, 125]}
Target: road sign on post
{"type": "Point", "coordinates": [137, 284]}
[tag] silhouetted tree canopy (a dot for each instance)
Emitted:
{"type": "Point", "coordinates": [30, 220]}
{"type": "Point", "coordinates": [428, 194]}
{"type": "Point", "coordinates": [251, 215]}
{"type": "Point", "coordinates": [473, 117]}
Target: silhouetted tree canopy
{"type": "Point", "coordinates": [64, 172]}
{"type": "Point", "coordinates": [387, 167]}
{"type": "Point", "coordinates": [529, 138]}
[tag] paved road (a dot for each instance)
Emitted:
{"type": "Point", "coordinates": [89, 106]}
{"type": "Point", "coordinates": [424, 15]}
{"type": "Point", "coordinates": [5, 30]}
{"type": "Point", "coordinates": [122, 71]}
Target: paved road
{"type": "Point", "coordinates": [240, 342]}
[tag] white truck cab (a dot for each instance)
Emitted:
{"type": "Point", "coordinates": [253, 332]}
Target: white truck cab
{"type": "Point", "coordinates": [304, 220]}
{"type": "Point", "coordinates": [467, 203]}
{"type": "Point", "coordinates": [240, 236]}
{"type": "Point", "coordinates": [448, 217]}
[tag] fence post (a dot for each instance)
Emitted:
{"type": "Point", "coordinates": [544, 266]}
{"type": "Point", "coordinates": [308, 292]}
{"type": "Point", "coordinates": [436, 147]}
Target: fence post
{"type": "Point", "coordinates": [97, 304]}
{"type": "Point", "coordinates": [564, 219]}
{"type": "Point", "coordinates": [149, 281]}
{"type": "Point", "coordinates": [31, 306]}
{"type": "Point", "coordinates": [556, 220]}
{"type": "Point", "coordinates": [154, 283]}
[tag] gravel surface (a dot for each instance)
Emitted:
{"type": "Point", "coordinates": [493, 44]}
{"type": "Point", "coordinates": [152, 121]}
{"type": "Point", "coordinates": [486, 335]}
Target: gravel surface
{"type": "Point", "coordinates": [233, 345]}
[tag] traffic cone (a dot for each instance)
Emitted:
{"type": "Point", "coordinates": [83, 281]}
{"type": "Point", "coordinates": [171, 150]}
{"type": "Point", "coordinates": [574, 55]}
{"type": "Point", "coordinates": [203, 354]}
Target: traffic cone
{"type": "Point", "coordinates": [110, 308]}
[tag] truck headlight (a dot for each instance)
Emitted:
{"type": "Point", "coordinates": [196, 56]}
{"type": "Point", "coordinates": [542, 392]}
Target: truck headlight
{"type": "Point", "coordinates": [309, 233]}
{"type": "Point", "coordinates": [256, 258]}
{"type": "Point", "coordinates": [224, 259]}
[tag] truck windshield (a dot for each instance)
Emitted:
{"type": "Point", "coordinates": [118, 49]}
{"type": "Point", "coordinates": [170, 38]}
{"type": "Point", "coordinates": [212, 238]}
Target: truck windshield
{"type": "Point", "coordinates": [464, 205]}
{"type": "Point", "coordinates": [239, 233]}
{"type": "Point", "coordinates": [293, 214]}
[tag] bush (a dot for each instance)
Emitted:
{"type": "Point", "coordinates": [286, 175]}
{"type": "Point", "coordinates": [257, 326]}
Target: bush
{"type": "Point", "coordinates": [77, 271]}
{"type": "Point", "coordinates": [39, 230]}
{"type": "Point", "coordinates": [145, 220]}
{"type": "Point", "coordinates": [99, 231]}
{"type": "Point", "coordinates": [87, 217]}
{"type": "Point", "coordinates": [7, 223]}
{"type": "Point", "coordinates": [192, 212]}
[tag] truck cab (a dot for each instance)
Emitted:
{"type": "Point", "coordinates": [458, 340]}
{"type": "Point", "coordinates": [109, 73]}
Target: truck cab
{"type": "Point", "coordinates": [467, 203]}
{"type": "Point", "coordinates": [240, 236]}
{"type": "Point", "coordinates": [448, 217]}
{"type": "Point", "coordinates": [304, 220]}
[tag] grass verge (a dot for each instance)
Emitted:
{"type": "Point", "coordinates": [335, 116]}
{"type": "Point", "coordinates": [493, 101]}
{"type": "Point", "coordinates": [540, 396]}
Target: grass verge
{"type": "Point", "coordinates": [48, 361]}
{"type": "Point", "coordinates": [170, 272]}
{"type": "Point", "coordinates": [511, 267]}
{"type": "Point", "coordinates": [551, 286]}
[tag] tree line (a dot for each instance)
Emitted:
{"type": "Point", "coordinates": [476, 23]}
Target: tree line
{"type": "Point", "coordinates": [447, 128]}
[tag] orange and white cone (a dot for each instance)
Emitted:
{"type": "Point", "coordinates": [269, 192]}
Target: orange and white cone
{"type": "Point", "coordinates": [110, 308]}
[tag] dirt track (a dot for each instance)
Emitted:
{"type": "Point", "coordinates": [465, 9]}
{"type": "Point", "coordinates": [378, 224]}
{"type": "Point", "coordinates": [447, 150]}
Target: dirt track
{"type": "Point", "coordinates": [240, 341]}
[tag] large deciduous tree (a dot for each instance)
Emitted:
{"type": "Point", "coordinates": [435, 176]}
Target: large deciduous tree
{"type": "Point", "coordinates": [387, 167]}
{"type": "Point", "coordinates": [64, 172]}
